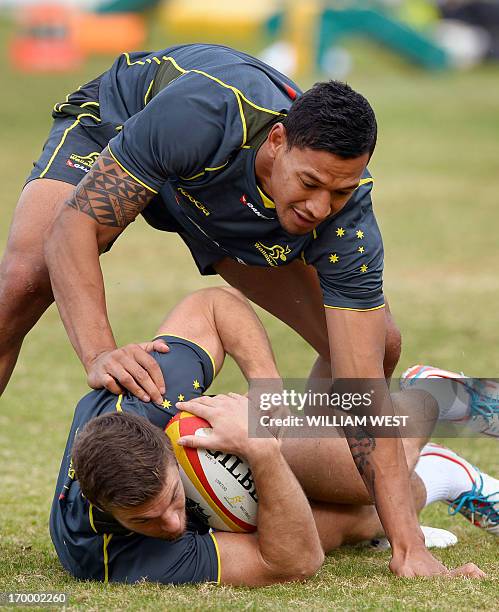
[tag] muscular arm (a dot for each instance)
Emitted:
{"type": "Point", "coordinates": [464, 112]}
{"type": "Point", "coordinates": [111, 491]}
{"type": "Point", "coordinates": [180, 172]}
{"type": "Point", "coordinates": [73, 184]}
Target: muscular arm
{"type": "Point", "coordinates": [103, 204]}
{"type": "Point", "coordinates": [357, 342]}
{"type": "Point", "coordinates": [287, 545]}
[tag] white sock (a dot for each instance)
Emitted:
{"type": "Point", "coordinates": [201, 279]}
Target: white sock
{"type": "Point", "coordinates": [452, 398]}
{"type": "Point", "coordinates": [445, 477]}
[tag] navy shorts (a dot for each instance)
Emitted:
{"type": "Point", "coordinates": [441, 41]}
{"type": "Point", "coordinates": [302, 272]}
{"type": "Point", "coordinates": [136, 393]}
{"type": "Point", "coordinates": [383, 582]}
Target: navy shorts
{"type": "Point", "coordinates": [73, 145]}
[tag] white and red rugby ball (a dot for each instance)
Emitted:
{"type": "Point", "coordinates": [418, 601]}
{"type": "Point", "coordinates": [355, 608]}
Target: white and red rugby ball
{"type": "Point", "coordinates": [219, 485]}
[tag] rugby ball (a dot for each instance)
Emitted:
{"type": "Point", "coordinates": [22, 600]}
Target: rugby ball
{"type": "Point", "coordinates": [219, 487]}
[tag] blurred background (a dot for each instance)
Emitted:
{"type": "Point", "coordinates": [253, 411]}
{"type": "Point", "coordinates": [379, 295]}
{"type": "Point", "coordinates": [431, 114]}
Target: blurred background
{"type": "Point", "coordinates": [429, 68]}
{"type": "Point", "coordinates": [296, 36]}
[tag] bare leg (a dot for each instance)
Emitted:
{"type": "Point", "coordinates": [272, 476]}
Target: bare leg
{"type": "Point", "coordinates": [221, 320]}
{"type": "Point", "coordinates": [340, 524]}
{"type": "Point", "coordinates": [325, 468]}
{"type": "Point", "coordinates": [25, 291]}
{"type": "Point", "coordinates": [292, 294]}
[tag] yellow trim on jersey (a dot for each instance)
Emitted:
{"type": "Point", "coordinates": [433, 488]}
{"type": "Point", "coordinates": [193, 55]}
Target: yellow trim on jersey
{"type": "Point", "coordinates": [91, 517]}
{"type": "Point", "coordinates": [267, 202]}
{"type": "Point", "coordinates": [191, 178]}
{"type": "Point", "coordinates": [106, 540]}
{"type": "Point", "coordinates": [354, 309]}
{"type": "Point", "coordinates": [129, 173]}
{"type": "Point", "coordinates": [219, 564]}
{"type": "Point", "coordinates": [314, 233]}
{"type": "Point", "coordinates": [139, 62]}
{"type": "Point", "coordinates": [193, 342]}
{"type": "Point", "coordinates": [365, 180]}
{"type": "Point", "coordinates": [235, 89]}
{"type": "Point", "coordinates": [118, 403]}
{"type": "Point", "coordinates": [90, 104]}
{"type": "Point", "coordinates": [217, 167]}
{"type": "Point", "coordinates": [57, 149]}
{"type": "Point", "coordinates": [59, 105]}
{"type": "Point", "coordinates": [148, 91]}
{"type": "Point", "coordinates": [238, 95]}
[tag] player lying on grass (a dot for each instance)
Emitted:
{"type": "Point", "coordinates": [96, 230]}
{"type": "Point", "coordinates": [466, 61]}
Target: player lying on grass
{"type": "Point", "coordinates": [119, 509]}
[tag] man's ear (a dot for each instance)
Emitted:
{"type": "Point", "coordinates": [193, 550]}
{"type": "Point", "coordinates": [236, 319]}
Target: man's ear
{"type": "Point", "coordinates": [277, 138]}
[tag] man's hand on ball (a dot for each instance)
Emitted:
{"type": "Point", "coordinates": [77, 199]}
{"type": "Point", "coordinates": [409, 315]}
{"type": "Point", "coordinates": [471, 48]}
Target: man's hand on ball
{"type": "Point", "coordinates": [425, 564]}
{"type": "Point", "coordinates": [131, 368]}
{"type": "Point", "coordinates": [228, 417]}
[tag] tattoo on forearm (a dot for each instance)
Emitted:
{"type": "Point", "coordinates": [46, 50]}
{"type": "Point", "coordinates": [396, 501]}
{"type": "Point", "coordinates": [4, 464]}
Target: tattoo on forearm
{"type": "Point", "coordinates": [361, 445]}
{"type": "Point", "coordinates": [109, 195]}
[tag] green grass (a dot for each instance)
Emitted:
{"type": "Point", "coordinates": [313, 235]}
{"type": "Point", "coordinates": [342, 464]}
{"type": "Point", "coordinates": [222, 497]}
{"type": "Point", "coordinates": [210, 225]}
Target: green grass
{"type": "Point", "coordinates": [436, 197]}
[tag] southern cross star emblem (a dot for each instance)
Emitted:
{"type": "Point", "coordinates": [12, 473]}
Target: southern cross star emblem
{"type": "Point", "coordinates": [333, 258]}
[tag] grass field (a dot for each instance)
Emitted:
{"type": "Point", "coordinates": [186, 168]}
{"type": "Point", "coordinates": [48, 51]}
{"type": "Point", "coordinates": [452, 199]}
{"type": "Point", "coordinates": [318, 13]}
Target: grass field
{"type": "Point", "coordinates": [436, 199]}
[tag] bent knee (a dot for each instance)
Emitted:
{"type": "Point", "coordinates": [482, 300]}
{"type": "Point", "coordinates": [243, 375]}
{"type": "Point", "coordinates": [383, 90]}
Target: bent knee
{"type": "Point", "coordinates": [21, 278]}
{"type": "Point", "coordinates": [232, 291]}
{"type": "Point", "coordinates": [214, 294]}
{"type": "Point", "coordinates": [25, 292]}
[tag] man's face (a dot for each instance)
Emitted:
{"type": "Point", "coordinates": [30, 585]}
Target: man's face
{"type": "Point", "coordinates": [162, 517]}
{"type": "Point", "coordinates": [307, 185]}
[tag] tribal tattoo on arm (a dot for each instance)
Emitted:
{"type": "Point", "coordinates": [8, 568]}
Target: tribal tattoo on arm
{"type": "Point", "coordinates": [109, 195]}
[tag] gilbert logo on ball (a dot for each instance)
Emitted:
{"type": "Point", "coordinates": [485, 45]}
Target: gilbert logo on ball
{"type": "Point", "coordinates": [220, 483]}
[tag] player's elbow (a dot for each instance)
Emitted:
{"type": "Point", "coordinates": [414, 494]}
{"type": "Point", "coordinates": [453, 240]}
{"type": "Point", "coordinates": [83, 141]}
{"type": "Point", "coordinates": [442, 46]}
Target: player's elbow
{"type": "Point", "coordinates": [309, 566]}
{"type": "Point", "coordinates": [301, 567]}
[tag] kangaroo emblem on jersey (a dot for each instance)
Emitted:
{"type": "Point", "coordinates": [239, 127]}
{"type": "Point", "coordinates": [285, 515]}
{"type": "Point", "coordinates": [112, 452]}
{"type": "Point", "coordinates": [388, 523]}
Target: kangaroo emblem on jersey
{"type": "Point", "coordinates": [87, 161]}
{"type": "Point", "coordinates": [274, 253]}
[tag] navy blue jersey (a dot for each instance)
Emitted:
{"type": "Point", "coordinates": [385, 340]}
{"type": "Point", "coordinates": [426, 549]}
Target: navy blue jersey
{"type": "Point", "coordinates": [90, 543]}
{"type": "Point", "coordinates": [186, 122]}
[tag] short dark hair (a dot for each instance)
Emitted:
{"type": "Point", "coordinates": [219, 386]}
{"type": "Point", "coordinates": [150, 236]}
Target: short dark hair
{"type": "Point", "coordinates": [332, 117]}
{"type": "Point", "coordinates": [121, 460]}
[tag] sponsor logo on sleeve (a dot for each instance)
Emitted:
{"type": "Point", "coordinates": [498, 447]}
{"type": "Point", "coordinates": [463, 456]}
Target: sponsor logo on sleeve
{"type": "Point", "coordinates": [245, 202]}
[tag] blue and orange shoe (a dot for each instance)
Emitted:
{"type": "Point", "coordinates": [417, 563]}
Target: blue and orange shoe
{"type": "Point", "coordinates": [481, 395]}
{"type": "Point", "coordinates": [480, 504]}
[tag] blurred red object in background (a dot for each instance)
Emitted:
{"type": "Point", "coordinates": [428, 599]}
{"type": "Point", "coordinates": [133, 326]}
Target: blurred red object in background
{"type": "Point", "coordinates": [109, 33]}
{"type": "Point", "coordinates": [54, 38]}
{"type": "Point", "coordinates": [45, 40]}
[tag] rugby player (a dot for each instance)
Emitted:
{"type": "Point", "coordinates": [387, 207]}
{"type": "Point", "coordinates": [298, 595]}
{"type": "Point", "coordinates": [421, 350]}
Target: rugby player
{"type": "Point", "coordinates": [258, 179]}
{"type": "Point", "coordinates": [119, 511]}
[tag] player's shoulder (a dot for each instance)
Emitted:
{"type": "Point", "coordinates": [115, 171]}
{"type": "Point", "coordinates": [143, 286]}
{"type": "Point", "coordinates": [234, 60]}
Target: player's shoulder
{"type": "Point", "coordinates": [226, 72]}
